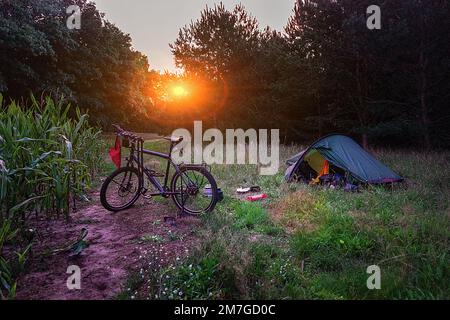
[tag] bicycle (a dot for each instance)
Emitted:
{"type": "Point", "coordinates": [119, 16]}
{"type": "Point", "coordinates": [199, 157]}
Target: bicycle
{"type": "Point", "coordinates": [192, 188]}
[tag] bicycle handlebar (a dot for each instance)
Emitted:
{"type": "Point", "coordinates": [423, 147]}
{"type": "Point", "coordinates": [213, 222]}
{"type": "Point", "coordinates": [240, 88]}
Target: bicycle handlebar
{"type": "Point", "coordinates": [132, 136]}
{"type": "Point", "coordinates": [126, 134]}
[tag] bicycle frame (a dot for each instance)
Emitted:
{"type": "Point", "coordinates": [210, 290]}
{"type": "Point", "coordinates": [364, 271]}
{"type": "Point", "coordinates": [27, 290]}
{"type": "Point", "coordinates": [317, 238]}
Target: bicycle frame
{"type": "Point", "coordinates": [163, 190]}
{"type": "Point", "coordinates": [137, 147]}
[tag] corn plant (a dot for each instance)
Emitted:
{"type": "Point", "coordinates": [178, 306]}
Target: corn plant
{"type": "Point", "coordinates": [45, 157]}
{"type": "Point", "coordinates": [48, 156]}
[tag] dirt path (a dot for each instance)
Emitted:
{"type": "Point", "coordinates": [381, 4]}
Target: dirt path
{"type": "Point", "coordinates": [116, 246]}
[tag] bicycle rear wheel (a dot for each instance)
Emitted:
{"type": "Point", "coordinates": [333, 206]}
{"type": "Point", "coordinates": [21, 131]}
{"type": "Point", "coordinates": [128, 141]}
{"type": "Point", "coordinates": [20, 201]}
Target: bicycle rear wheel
{"type": "Point", "coordinates": [121, 189]}
{"type": "Point", "coordinates": [193, 196]}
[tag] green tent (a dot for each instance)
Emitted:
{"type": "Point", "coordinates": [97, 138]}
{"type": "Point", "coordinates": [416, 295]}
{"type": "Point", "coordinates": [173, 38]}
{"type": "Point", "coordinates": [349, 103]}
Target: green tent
{"type": "Point", "coordinates": [347, 155]}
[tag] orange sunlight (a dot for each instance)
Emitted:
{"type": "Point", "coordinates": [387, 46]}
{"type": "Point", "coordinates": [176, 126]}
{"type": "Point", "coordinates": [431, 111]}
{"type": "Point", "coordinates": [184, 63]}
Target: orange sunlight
{"type": "Point", "coordinates": [179, 91]}
{"type": "Point", "coordinates": [172, 92]}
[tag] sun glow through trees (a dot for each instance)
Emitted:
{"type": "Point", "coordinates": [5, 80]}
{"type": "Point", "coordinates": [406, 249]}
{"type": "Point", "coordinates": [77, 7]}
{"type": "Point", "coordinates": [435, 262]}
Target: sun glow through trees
{"type": "Point", "coordinates": [179, 91]}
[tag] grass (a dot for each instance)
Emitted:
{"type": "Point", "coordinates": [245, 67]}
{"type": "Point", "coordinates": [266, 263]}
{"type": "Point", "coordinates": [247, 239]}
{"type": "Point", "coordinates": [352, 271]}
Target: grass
{"type": "Point", "coordinates": [203, 278]}
{"type": "Point", "coordinates": [306, 242]}
{"type": "Point", "coordinates": [253, 216]}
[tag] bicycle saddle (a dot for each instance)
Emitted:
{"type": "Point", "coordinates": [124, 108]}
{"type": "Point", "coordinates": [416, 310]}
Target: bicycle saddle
{"type": "Point", "coordinates": [174, 139]}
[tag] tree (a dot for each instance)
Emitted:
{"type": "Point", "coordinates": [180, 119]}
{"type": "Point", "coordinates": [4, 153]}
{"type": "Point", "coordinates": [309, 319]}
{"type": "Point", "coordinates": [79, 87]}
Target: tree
{"type": "Point", "coordinates": [94, 67]}
{"type": "Point", "coordinates": [218, 44]}
{"type": "Point", "coordinates": [221, 45]}
{"type": "Point", "coordinates": [374, 82]}
{"type": "Point", "coordinates": [426, 68]}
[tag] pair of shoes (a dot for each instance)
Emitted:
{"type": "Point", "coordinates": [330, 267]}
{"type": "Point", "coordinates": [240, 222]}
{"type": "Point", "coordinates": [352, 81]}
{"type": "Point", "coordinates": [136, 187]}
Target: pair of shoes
{"type": "Point", "coordinates": [249, 189]}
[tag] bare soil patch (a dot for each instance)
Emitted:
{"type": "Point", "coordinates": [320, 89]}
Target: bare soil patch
{"type": "Point", "coordinates": [116, 242]}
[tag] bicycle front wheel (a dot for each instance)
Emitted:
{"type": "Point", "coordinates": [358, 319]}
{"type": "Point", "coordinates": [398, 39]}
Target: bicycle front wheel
{"type": "Point", "coordinates": [195, 190]}
{"type": "Point", "coordinates": [121, 189]}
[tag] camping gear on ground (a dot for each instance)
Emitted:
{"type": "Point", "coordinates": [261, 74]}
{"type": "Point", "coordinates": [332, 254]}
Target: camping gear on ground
{"type": "Point", "coordinates": [242, 190]}
{"type": "Point", "coordinates": [249, 189]}
{"type": "Point", "coordinates": [207, 192]}
{"type": "Point", "coordinates": [331, 179]}
{"type": "Point", "coordinates": [338, 154]}
{"type": "Point", "coordinates": [257, 197]}
{"type": "Point", "coordinates": [219, 195]}
{"type": "Point", "coordinates": [350, 187]}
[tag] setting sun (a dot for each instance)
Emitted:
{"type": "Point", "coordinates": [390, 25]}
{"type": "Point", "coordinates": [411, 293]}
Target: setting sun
{"type": "Point", "coordinates": [179, 91]}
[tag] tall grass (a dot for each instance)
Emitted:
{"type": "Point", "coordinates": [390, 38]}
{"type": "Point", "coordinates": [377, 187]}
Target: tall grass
{"type": "Point", "coordinates": [48, 155]}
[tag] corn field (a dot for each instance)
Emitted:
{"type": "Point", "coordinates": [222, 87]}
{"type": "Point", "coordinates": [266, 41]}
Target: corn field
{"type": "Point", "coordinates": [48, 156]}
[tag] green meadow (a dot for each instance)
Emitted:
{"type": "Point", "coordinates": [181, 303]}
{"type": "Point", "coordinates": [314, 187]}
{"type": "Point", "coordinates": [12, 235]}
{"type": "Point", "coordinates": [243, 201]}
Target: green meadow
{"type": "Point", "coordinates": [307, 242]}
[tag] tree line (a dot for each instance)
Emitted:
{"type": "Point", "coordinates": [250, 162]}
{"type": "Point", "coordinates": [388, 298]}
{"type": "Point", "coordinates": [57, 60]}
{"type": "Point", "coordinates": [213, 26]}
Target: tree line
{"type": "Point", "coordinates": [324, 72]}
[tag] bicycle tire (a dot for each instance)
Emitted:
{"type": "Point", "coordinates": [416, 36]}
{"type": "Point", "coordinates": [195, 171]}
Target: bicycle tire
{"type": "Point", "coordinates": [212, 182]}
{"type": "Point", "coordinates": [103, 191]}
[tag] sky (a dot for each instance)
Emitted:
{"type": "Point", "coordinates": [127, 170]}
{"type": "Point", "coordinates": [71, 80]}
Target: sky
{"type": "Point", "coordinates": [153, 24]}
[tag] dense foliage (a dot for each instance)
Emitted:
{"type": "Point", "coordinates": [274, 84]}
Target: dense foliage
{"type": "Point", "coordinates": [47, 158]}
{"type": "Point", "coordinates": [93, 67]}
{"type": "Point", "coordinates": [327, 71]}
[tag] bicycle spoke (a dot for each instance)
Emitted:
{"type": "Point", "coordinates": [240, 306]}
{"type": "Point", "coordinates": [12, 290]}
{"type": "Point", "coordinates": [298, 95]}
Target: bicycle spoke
{"type": "Point", "coordinates": [119, 194]}
{"type": "Point", "coordinates": [195, 176]}
{"type": "Point", "coordinates": [119, 184]}
{"type": "Point", "coordinates": [192, 195]}
{"type": "Point", "coordinates": [186, 175]}
{"type": "Point", "coordinates": [203, 179]}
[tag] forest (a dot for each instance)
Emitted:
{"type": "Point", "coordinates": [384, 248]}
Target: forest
{"type": "Point", "coordinates": [324, 72]}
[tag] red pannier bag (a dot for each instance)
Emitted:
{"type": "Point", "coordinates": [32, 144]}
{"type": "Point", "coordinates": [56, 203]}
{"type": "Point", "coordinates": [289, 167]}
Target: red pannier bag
{"type": "Point", "coordinates": [115, 153]}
